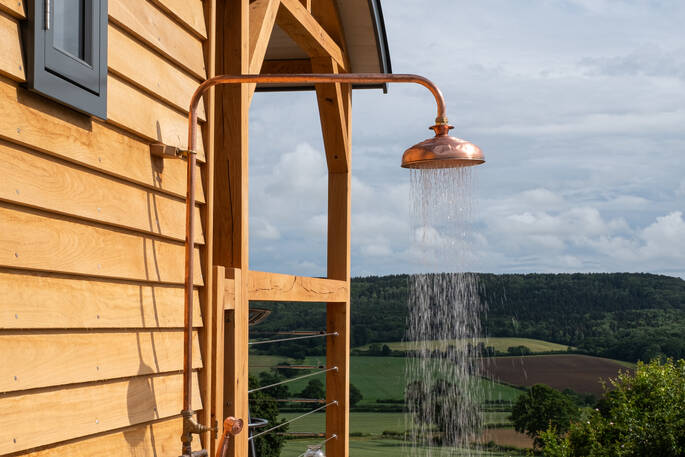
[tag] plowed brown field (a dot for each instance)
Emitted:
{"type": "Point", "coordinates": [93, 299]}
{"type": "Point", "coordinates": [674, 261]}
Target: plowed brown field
{"type": "Point", "coordinates": [507, 437]}
{"type": "Point", "coordinates": [581, 373]}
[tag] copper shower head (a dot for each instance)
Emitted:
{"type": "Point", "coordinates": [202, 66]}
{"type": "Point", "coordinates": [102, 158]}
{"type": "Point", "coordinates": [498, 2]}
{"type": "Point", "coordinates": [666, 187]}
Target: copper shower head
{"type": "Point", "coordinates": [442, 151]}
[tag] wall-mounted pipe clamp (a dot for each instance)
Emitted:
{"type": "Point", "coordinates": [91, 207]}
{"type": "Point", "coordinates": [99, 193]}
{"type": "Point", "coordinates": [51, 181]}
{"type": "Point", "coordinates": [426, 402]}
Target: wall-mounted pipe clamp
{"type": "Point", "coordinates": [169, 152]}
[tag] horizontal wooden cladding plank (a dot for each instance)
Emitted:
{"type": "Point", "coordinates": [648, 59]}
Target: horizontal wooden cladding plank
{"type": "Point", "coordinates": [40, 181]}
{"type": "Point", "coordinates": [32, 240]}
{"type": "Point", "coordinates": [14, 7]}
{"type": "Point", "coordinates": [280, 287]}
{"type": "Point", "coordinates": [303, 28]}
{"type": "Point", "coordinates": [11, 60]}
{"type": "Point", "coordinates": [34, 360]}
{"type": "Point", "coordinates": [34, 121]}
{"type": "Point", "coordinates": [152, 26]}
{"type": "Point", "coordinates": [146, 440]}
{"type": "Point", "coordinates": [38, 419]}
{"type": "Point", "coordinates": [189, 13]}
{"type": "Point", "coordinates": [46, 301]}
{"type": "Point", "coordinates": [143, 115]}
{"type": "Point", "coordinates": [148, 71]}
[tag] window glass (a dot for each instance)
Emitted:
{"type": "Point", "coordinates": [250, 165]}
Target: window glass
{"type": "Point", "coordinates": [69, 26]}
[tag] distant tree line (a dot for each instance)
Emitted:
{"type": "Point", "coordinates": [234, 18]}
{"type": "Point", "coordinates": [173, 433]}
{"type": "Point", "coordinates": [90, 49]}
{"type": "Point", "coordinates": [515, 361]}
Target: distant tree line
{"type": "Point", "coordinates": [625, 316]}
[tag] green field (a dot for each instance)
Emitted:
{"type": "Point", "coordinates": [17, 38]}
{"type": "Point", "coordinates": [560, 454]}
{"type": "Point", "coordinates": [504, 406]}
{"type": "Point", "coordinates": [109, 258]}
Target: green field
{"type": "Point", "coordinates": [500, 344]}
{"type": "Point", "coordinates": [369, 423]}
{"type": "Point", "coordinates": [371, 447]}
{"type": "Point", "coordinates": [378, 378]}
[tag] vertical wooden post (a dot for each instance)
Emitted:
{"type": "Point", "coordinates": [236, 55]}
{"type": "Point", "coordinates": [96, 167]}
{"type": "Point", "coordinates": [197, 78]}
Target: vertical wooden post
{"type": "Point", "coordinates": [334, 102]}
{"type": "Point", "coordinates": [208, 373]}
{"type": "Point", "coordinates": [231, 202]}
{"type": "Point", "coordinates": [216, 365]}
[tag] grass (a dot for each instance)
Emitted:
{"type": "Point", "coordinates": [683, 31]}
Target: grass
{"type": "Point", "coordinates": [500, 344]}
{"type": "Point", "coordinates": [369, 423]}
{"type": "Point", "coordinates": [378, 378]}
{"type": "Point", "coordinates": [372, 447]}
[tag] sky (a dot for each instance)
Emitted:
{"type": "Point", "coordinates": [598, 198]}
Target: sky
{"type": "Point", "coordinates": [578, 106]}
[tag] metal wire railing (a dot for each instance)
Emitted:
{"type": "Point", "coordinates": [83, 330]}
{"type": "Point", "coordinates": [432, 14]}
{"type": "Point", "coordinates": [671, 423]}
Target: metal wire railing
{"type": "Point", "coordinates": [302, 337]}
{"type": "Point", "coordinates": [257, 389]}
{"type": "Point", "coordinates": [319, 445]}
{"type": "Point", "coordinates": [276, 427]}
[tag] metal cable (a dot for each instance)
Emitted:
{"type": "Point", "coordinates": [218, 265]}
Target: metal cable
{"type": "Point", "coordinates": [334, 402]}
{"type": "Point", "coordinates": [293, 332]}
{"type": "Point", "coordinates": [321, 444]}
{"type": "Point", "coordinates": [291, 380]}
{"type": "Point", "coordinates": [305, 337]}
{"type": "Point", "coordinates": [293, 367]}
{"type": "Point", "coordinates": [299, 400]}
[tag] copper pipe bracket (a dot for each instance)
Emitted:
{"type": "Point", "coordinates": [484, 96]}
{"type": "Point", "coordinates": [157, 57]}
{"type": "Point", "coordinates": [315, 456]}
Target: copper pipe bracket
{"type": "Point", "coordinates": [168, 152]}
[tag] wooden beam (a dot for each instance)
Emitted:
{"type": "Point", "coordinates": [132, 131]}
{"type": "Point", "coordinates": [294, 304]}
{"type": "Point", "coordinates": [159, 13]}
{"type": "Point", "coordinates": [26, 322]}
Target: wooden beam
{"type": "Point", "coordinates": [262, 20]}
{"type": "Point", "coordinates": [228, 293]}
{"type": "Point", "coordinates": [326, 13]}
{"type": "Point", "coordinates": [281, 287]}
{"type": "Point", "coordinates": [292, 66]}
{"type": "Point", "coordinates": [301, 26]}
{"type": "Point", "coordinates": [208, 334]}
{"type": "Point", "coordinates": [333, 117]}
{"type": "Point", "coordinates": [307, 4]}
{"type": "Point", "coordinates": [216, 364]}
{"type": "Point", "coordinates": [338, 314]}
{"type": "Point", "coordinates": [46, 301]}
{"type": "Point", "coordinates": [231, 203]}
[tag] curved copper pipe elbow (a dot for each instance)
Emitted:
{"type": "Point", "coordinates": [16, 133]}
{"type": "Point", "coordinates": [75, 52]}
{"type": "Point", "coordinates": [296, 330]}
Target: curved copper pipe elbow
{"type": "Point", "coordinates": [232, 426]}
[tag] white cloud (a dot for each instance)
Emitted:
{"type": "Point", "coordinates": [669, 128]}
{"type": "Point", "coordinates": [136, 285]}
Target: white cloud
{"type": "Point", "coordinates": [264, 230]}
{"type": "Point", "coordinates": [577, 104]}
{"type": "Point", "coordinates": [665, 238]}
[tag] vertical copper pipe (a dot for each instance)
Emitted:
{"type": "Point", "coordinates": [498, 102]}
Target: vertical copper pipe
{"type": "Point", "coordinates": [357, 78]}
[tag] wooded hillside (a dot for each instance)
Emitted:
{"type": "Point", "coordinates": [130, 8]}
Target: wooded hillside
{"type": "Point", "coordinates": [625, 316]}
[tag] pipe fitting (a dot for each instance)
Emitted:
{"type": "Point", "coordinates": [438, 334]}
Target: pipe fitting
{"type": "Point", "coordinates": [190, 427]}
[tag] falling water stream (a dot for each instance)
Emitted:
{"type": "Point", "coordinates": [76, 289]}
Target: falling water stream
{"type": "Point", "coordinates": [443, 327]}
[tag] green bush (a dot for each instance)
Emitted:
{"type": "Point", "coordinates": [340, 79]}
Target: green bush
{"type": "Point", "coordinates": [644, 415]}
{"type": "Point", "coordinates": [541, 406]}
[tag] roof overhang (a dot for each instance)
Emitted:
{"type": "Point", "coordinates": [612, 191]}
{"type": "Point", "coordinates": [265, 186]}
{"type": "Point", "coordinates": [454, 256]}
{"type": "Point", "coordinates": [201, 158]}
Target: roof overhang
{"type": "Point", "coordinates": [365, 37]}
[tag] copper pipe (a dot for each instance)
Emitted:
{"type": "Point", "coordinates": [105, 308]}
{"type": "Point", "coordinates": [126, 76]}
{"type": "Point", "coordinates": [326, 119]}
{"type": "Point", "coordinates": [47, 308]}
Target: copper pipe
{"type": "Point", "coordinates": [349, 78]}
{"type": "Point", "coordinates": [232, 427]}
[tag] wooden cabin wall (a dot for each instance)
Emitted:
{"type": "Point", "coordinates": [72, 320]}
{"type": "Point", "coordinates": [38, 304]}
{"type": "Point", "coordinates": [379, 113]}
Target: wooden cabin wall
{"type": "Point", "coordinates": [91, 244]}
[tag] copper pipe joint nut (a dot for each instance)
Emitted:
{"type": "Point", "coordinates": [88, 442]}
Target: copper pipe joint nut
{"type": "Point", "coordinates": [233, 425]}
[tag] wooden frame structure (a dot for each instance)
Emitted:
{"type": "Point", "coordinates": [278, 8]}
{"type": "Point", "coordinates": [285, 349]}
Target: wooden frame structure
{"type": "Point", "coordinates": [246, 28]}
{"type": "Point", "coordinates": [91, 256]}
